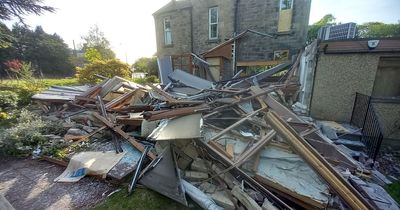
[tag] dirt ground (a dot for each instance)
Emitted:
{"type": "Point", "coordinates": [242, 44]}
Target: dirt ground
{"type": "Point", "coordinates": [28, 184]}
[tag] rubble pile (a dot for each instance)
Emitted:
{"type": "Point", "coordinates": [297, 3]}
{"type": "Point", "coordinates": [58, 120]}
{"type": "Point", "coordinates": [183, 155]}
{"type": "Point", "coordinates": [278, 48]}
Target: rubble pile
{"type": "Point", "coordinates": [225, 145]}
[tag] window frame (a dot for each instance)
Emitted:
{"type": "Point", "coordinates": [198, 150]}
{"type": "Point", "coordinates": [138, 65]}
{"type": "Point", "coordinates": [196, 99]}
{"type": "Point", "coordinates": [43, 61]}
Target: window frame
{"type": "Point", "coordinates": [280, 5]}
{"type": "Point", "coordinates": [210, 24]}
{"type": "Point", "coordinates": [276, 52]}
{"type": "Point", "coordinates": [167, 31]}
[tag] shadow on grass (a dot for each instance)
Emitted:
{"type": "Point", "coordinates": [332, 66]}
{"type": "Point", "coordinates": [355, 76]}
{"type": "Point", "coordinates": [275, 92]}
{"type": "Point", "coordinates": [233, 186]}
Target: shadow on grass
{"type": "Point", "coordinates": [394, 191]}
{"type": "Point", "coordinates": [140, 199]}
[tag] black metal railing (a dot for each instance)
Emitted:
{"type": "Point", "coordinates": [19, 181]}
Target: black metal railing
{"type": "Point", "coordinates": [364, 116]}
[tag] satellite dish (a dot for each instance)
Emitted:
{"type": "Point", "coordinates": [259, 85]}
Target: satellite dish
{"type": "Point", "coordinates": [372, 44]}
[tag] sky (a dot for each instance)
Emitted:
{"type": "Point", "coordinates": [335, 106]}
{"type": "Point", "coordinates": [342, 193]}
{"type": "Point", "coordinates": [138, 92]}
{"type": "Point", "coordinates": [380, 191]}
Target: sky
{"type": "Point", "coordinates": [129, 24]}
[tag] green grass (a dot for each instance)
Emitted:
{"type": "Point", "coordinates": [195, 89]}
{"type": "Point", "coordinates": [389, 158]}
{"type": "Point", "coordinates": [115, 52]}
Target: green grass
{"type": "Point", "coordinates": [140, 199]}
{"type": "Point", "coordinates": [394, 191]}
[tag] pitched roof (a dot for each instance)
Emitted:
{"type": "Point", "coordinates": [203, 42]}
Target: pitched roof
{"type": "Point", "coordinates": [173, 5]}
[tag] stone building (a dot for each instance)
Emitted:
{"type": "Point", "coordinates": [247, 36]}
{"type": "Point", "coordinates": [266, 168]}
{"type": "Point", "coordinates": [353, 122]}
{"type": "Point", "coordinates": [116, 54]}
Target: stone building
{"type": "Point", "coordinates": [218, 30]}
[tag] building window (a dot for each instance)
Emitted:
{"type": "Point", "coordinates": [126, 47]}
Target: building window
{"type": "Point", "coordinates": [285, 15]}
{"type": "Point", "coordinates": [286, 4]}
{"type": "Point", "coordinates": [213, 23]}
{"type": "Point", "coordinates": [167, 32]}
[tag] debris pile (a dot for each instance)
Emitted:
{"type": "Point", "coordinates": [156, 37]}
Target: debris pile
{"type": "Point", "coordinates": [226, 145]}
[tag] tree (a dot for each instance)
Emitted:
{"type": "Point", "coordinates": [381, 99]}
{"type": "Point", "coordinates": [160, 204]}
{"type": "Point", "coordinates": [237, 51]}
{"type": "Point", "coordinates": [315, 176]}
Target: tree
{"type": "Point", "coordinates": [17, 8]}
{"type": "Point", "coordinates": [378, 30]}
{"type": "Point", "coordinates": [5, 36]}
{"type": "Point", "coordinates": [96, 39]}
{"type": "Point", "coordinates": [146, 65]}
{"type": "Point", "coordinates": [107, 68]}
{"type": "Point", "coordinates": [47, 53]}
{"type": "Point", "coordinates": [92, 55]}
{"type": "Point", "coordinates": [313, 29]}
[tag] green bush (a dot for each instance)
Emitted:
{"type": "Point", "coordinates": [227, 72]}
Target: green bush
{"type": "Point", "coordinates": [152, 79]}
{"type": "Point", "coordinates": [108, 68]}
{"type": "Point", "coordinates": [8, 100]}
{"type": "Point", "coordinates": [24, 136]}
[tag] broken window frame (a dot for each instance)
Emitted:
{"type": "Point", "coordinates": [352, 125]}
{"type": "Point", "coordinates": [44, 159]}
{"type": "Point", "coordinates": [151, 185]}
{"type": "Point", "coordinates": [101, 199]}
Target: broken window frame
{"type": "Point", "coordinates": [167, 32]}
{"type": "Point", "coordinates": [278, 53]}
{"type": "Point", "coordinates": [285, 5]}
{"type": "Point", "coordinates": [211, 35]}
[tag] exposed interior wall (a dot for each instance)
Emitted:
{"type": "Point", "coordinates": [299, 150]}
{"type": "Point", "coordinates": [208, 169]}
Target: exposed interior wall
{"type": "Point", "coordinates": [215, 67]}
{"type": "Point", "coordinates": [337, 79]}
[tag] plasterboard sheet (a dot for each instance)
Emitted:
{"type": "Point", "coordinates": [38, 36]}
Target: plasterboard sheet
{"type": "Point", "coordinates": [190, 80]}
{"type": "Point", "coordinates": [186, 127]}
{"type": "Point", "coordinates": [291, 172]}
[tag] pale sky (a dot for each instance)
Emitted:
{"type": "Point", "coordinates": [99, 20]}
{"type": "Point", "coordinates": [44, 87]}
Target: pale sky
{"type": "Point", "coordinates": [129, 24]}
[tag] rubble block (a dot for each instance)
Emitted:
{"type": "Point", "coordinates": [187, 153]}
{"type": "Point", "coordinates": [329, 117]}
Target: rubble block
{"type": "Point", "coordinates": [76, 132]}
{"type": "Point", "coordinates": [68, 124]}
{"type": "Point", "coordinates": [50, 118]}
{"type": "Point", "coordinates": [207, 187]}
{"type": "Point", "coordinates": [267, 205]}
{"type": "Point", "coordinates": [245, 199]}
{"type": "Point", "coordinates": [354, 145]}
{"type": "Point", "coordinates": [227, 177]}
{"type": "Point", "coordinates": [191, 151]}
{"type": "Point", "coordinates": [199, 165]}
{"type": "Point", "coordinates": [222, 199]}
{"type": "Point", "coordinates": [89, 129]}
{"type": "Point", "coordinates": [184, 161]}
{"type": "Point", "coordinates": [148, 127]}
{"type": "Point", "coordinates": [195, 175]}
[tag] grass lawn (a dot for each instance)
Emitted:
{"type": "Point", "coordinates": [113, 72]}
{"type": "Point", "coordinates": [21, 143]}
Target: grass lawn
{"type": "Point", "coordinates": [394, 191]}
{"type": "Point", "coordinates": [141, 199]}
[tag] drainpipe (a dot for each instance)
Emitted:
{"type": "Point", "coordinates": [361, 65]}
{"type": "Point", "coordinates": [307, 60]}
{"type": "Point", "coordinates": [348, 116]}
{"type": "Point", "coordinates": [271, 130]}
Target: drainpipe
{"type": "Point", "coordinates": [191, 30]}
{"type": "Point", "coordinates": [234, 47]}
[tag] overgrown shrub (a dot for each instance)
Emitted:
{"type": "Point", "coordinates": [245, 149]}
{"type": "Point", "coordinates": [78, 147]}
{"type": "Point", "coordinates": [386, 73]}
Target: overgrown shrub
{"type": "Point", "coordinates": [24, 135]}
{"type": "Point", "coordinates": [8, 103]}
{"type": "Point", "coordinates": [152, 79]}
{"type": "Point", "coordinates": [108, 68]}
{"type": "Point", "coordinates": [149, 79]}
{"type": "Point", "coordinates": [8, 100]}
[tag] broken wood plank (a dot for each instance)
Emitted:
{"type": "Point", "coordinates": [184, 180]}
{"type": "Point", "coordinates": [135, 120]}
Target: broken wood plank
{"type": "Point", "coordinates": [120, 100]}
{"type": "Point", "coordinates": [234, 125]}
{"type": "Point", "coordinates": [124, 135]}
{"type": "Point", "coordinates": [255, 148]}
{"type": "Point", "coordinates": [230, 150]}
{"type": "Point", "coordinates": [220, 149]}
{"type": "Point", "coordinates": [347, 192]}
{"type": "Point", "coordinates": [245, 199]}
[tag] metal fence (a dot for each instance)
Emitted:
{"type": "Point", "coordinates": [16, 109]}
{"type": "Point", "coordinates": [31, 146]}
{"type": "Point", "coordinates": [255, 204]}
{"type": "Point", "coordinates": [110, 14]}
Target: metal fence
{"type": "Point", "coordinates": [365, 117]}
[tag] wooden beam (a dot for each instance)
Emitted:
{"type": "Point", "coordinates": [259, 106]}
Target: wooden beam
{"type": "Point", "coordinates": [124, 135]}
{"type": "Point", "coordinates": [259, 63]}
{"type": "Point", "coordinates": [347, 192]}
{"type": "Point", "coordinates": [245, 199]}
{"type": "Point", "coordinates": [234, 125]}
